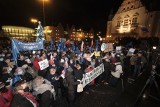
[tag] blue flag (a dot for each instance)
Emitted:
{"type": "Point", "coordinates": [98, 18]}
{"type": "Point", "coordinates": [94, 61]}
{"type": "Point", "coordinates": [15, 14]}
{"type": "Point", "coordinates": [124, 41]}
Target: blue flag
{"type": "Point", "coordinates": [73, 47]}
{"type": "Point", "coordinates": [77, 51]}
{"type": "Point", "coordinates": [51, 43]}
{"type": "Point", "coordinates": [96, 45]}
{"type": "Point", "coordinates": [15, 52]}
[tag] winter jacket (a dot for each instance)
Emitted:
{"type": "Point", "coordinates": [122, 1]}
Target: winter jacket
{"type": "Point", "coordinates": [21, 101]}
{"type": "Point", "coordinates": [42, 85]}
{"type": "Point", "coordinates": [6, 98]}
{"type": "Point", "coordinates": [71, 81]}
{"type": "Point", "coordinates": [52, 79]}
{"type": "Point", "coordinates": [36, 65]}
{"type": "Point", "coordinates": [78, 73]}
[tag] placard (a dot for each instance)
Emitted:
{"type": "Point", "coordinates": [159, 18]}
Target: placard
{"type": "Point", "coordinates": [131, 51]}
{"type": "Point", "coordinates": [109, 47]}
{"type": "Point", "coordinates": [43, 64]}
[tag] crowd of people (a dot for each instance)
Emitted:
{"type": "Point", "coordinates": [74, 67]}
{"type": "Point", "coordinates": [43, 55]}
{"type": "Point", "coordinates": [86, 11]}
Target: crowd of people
{"type": "Point", "coordinates": [26, 85]}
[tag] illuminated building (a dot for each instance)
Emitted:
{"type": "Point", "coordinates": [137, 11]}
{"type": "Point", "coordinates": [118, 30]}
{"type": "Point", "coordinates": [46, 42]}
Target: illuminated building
{"type": "Point", "coordinates": [79, 34]}
{"type": "Point", "coordinates": [133, 20]}
{"type": "Point", "coordinates": [20, 33]}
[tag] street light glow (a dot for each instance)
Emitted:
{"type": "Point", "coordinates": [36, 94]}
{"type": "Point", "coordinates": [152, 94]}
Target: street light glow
{"type": "Point", "coordinates": [44, 0]}
{"type": "Point", "coordinates": [33, 20]}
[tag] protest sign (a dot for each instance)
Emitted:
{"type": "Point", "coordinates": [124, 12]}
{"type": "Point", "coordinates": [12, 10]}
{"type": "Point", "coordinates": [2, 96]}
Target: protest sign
{"type": "Point", "coordinates": [109, 47]}
{"type": "Point", "coordinates": [118, 49]}
{"type": "Point", "coordinates": [43, 64]}
{"type": "Point", "coordinates": [103, 46]}
{"type": "Point", "coordinates": [97, 53]}
{"type": "Point", "coordinates": [131, 51]}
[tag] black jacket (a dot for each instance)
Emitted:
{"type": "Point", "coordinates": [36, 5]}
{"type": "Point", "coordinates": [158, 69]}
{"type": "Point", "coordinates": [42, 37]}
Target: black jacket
{"type": "Point", "coordinates": [71, 81]}
{"type": "Point", "coordinates": [78, 73]}
{"type": "Point", "coordinates": [20, 101]}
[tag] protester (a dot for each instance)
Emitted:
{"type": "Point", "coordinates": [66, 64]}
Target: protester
{"type": "Point", "coordinates": [21, 97]}
{"type": "Point", "coordinates": [6, 95]}
{"type": "Point", "coordinates": [117, 73]}
{"type": "Point", "coordinates": [67, 66]}
{"type": "Point", "coordinates": [71, 86]}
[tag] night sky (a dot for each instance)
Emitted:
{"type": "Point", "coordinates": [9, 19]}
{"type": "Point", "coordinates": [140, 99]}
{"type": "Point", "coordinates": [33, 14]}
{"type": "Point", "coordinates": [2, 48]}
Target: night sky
{"type": "Point", "coordinates": [81, 13]}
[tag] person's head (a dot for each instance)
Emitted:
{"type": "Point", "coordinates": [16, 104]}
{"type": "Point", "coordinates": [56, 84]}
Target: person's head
{"type": "Point", "coordinates": [78, 65]}
{"type": "Point", "coordinates": [139, 54]}
{"type": "Point", "coordinates": [20, 86]}
{"type": "Point", "coordinates": [21, 57]}
{"type": "Point", "coordinates": [55, 54]}
{"type": "Point", "coordinates": [52, 70]}
{"type": "Point", "coordinates": [19, 71]}
{"type": "Point", "coordinates": [7, 60]}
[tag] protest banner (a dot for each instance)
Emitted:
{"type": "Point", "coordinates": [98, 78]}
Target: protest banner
{"type": "Point", "coordinates": [22, 46]}
{"type": "Point", "coordinates": [88, 77]}
{"type": "Point", "coordinates": [130, 52]}
{"type": "Point", "coordinates": [43, 64]}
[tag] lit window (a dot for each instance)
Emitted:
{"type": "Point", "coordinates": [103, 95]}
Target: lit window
{"type": "Point", "coordinates": [134, 20]}
{"type": "Point", "coordinates": [118, 23]}
{"type": "Point", "coordinates": [126, 22]}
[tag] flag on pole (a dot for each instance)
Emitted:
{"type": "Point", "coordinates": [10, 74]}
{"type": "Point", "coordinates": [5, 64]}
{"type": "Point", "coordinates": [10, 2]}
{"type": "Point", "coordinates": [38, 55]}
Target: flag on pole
{"type": "Point", "coordinates": [96, 45]}
{"type": "Point", "coordinates": [73, 47]}
{"type": "Point", "coordinates": [77, 51]}
{"type": "Point", "coordinates": [92, 43]}
{"type": "Point", "coordinates": [15, 52]}
{"type": "Point", "coordinates": [51, 43]}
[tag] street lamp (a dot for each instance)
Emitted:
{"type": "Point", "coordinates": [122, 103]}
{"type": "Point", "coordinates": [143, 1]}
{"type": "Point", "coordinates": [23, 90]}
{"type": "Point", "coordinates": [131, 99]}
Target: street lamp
{"type": "Point", "coordinates": [44, 16]}
{"type": "Point", "coordinates": [34, 21]}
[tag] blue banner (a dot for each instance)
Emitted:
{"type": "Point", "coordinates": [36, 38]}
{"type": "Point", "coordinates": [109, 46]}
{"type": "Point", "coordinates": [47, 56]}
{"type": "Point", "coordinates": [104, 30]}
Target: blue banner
{"type": "Point", "coordinates": [22, 46]}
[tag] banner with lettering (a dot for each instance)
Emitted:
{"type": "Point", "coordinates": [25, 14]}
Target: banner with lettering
{"type": "Point", "coordinates": [88, 77]}
{"type": "Point", "coordinates": [23, 46]}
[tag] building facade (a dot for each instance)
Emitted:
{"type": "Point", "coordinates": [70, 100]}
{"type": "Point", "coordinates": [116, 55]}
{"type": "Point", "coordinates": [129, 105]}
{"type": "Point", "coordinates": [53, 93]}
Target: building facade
{"type": "Point", "coordinates": [20, 33]}
{"type": "Point", "coordinates": [133, 20]}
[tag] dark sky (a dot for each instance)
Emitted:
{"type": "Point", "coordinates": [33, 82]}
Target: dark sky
{"type": "Point", "coordinates": [81, 13]}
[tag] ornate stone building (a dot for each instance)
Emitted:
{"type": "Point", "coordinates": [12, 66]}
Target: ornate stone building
{"type": "Point", "coordinates": [133, 19]}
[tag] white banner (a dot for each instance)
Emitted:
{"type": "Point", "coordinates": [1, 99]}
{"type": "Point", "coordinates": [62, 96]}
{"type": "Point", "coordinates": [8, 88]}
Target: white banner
{"type": "Point", "coordinates": [43, 64]}
{"type": "Point", "coordinates": [88, 77]}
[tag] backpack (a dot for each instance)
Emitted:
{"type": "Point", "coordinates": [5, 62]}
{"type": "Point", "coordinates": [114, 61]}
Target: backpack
{"type": "Point", "coordinates": [113, 67]}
